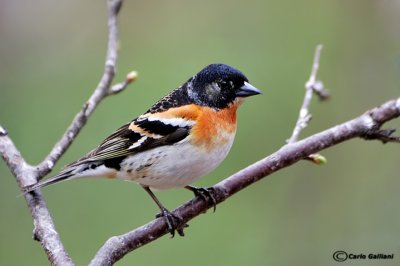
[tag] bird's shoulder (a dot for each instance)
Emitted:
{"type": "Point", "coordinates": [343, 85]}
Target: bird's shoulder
{"type": "Point", "coordinates": [175, 98]}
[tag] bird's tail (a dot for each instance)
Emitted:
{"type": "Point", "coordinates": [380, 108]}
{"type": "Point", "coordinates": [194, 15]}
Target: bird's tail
{"type": "Point", "coordinates": [72, 171]}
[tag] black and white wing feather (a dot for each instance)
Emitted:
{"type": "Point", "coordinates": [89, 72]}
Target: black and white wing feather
{"type": "Point", "coordinates": [139, 135]}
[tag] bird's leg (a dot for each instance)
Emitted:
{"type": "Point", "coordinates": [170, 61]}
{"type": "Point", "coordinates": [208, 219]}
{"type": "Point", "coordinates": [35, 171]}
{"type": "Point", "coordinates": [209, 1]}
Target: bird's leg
{"type": "Point", "coordinates": [174, 223]}
{"type": "Point", "coordinates": [205, 193]}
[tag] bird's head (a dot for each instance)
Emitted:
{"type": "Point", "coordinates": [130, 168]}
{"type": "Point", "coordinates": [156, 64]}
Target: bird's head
{"type": "Point", "coordinates": [219, 85]}
{"type": "Point", "coordinates": [216, 86]}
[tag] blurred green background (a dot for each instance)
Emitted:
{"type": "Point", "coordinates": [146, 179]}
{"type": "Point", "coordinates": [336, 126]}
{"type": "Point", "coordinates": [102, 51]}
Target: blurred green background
{"type": "Point", "coordinates": [52, 56]}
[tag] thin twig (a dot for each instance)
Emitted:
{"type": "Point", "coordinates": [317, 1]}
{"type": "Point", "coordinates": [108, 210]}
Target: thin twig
{"type": "Point", "coordinates": [101, 91]}
{"type": "Point", "coordinates": [117, 88]}
{"type": "Point", "coordinates": [26, 175]}
{"type": "Point", "coordinates": [371, 121]}
{"type": "Point", "coordinates": [312, 86]}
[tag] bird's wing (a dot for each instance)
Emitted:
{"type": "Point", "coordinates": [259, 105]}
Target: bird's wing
{"type": "Point", "coordinates": [143, 133]}
{"type": "Point", "coordinates": [139, 135]}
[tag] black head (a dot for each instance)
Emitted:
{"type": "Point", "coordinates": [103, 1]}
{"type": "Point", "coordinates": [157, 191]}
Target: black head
{"type": "Point", "coordinates": [218, 85]}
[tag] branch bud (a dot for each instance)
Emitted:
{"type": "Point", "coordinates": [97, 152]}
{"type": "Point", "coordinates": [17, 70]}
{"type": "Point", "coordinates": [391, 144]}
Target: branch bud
{"type": "Point", "coordinates": [317, 159]}
{"type": "Point", "coordinates": [131, 77]}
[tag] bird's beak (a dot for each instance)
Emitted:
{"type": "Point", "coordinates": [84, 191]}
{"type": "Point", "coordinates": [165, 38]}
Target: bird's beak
{"type": "Point", "coordinates": [247, 90]}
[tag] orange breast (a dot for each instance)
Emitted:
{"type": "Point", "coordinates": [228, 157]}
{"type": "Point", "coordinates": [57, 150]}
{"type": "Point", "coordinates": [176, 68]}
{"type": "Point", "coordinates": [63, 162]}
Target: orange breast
{"type": "Point", "coordinates": [212, 127]}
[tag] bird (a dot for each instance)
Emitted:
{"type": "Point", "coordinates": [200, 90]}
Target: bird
{"type": "Point", "coordinates": [181, 138]}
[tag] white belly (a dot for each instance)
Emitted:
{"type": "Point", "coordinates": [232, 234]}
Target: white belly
{"type": "Point", "coordinates": [174, 166]}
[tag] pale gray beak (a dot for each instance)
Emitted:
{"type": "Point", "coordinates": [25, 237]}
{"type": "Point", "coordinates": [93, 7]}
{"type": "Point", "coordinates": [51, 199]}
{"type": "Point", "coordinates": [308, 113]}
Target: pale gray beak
{"type": "Point", "coordinates": [247, 90]}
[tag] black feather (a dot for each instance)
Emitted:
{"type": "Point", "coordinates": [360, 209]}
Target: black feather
{"type": "Point", "coordinates": [170, 139]}
{"type": "Point", "coordinates": [156, 127]}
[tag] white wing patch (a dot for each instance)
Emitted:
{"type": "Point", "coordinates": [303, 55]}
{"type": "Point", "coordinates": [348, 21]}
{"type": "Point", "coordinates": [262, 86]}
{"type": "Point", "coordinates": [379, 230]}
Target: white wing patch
{"type": "Point", "coordinates": [180, 122]}
{"type": "Point", "coordinates": [138, 143]}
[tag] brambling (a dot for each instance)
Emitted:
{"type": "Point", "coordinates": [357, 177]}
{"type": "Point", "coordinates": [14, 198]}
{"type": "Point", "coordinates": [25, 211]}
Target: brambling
{"type": "Point", "coordinates": [181, 138]}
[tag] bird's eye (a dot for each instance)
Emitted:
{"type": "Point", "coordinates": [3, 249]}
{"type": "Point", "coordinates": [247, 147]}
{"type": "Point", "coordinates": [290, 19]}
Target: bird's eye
{"type": "Point", "coordinates": [225, 84]}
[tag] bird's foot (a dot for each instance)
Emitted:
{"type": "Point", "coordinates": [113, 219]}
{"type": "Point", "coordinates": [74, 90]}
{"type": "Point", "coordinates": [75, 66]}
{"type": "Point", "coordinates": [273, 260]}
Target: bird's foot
{"type": "Point", "coordinates": [174, 222]}
{"type": "Point", "coordinates": [206, 194]}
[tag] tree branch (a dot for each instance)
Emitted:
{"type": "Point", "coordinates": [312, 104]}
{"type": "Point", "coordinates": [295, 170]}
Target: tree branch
{"type": "Point", "coordinates": [367, 124]}
{"type": "Point", "coordinates": [27, 175]}
{"type": "Point", "coordinates": [101, 91]}
{"type": "Point", "coordinates": [44, 230]}
{"type": "Point", "coordinates": [312, 86]}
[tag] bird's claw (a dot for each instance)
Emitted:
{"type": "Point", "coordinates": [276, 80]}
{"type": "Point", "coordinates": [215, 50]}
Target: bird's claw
{"type": "Point", "coordinates": [205, 194]}
{"type": "Point", "coordinates": [174, 222]}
